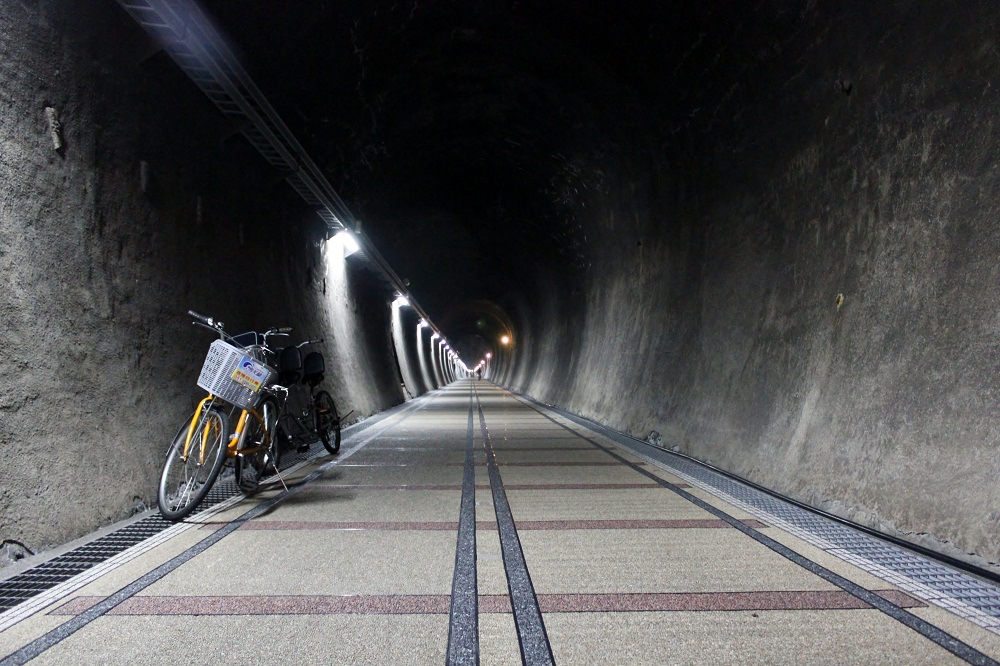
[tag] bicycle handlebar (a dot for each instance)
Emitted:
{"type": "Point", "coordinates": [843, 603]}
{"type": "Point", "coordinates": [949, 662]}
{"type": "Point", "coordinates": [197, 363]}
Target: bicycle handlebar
{"type": "Point", "coordinates": [208, 321]}
{"type": "Point", "coordinates": [309, 342]}
{"type": "Point", "coordinates": [217, 327]}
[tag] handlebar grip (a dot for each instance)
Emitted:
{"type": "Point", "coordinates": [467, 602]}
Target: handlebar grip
{"type": "Point", "coordinates": [284, 329]}
{"type": "Point", "coordinates": [201, 317]}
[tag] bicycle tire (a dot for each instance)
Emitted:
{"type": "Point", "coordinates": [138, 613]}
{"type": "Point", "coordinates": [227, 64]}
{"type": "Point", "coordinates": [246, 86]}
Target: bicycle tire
{"type": "Point", "coordinates": [327, 421]}
{"type": "Point", "coordinates": [185, 483]}
{"type": "Point", "coordinates": [279, 441]}
{"type": "Point", "coordinates": [251, 468]}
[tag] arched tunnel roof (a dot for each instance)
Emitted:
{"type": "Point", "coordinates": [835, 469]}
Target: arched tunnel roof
{"type": "Point", "coordinates": [762, 234]}
{"type": "Point", "coordinates": [469, 137]}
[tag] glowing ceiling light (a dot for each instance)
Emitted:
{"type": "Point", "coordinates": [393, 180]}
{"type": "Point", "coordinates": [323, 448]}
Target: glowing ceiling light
{"type": "Point", "coordinates": [423, 324]}
{"type": "Point", "coordinates": [401, 301]}
{"type": "Point", "coordinates": [489, 355]}
{"type": "Point", "coordinates": [347, 241]}
{"type": "Point", "coordinates": [505, 340]}
{"type": "Point", "coordinates": [435, 336]}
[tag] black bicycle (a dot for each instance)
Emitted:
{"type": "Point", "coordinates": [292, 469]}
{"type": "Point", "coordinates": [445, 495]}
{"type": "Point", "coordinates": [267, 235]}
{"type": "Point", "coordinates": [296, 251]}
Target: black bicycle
{"type": "Point", "coordinates": [306, 414]}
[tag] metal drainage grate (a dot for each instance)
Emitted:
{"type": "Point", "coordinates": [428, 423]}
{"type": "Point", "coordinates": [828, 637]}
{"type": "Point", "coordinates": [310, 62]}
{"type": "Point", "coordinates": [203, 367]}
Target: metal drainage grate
{"type": "Point", "coordinates": [47, 575]}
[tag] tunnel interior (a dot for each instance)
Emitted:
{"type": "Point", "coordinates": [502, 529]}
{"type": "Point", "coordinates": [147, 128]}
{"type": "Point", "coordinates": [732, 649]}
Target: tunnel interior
{"type": "Point", "coordinates": [763, 235]}
{"type": "Point", "coordinates": [477, 134]}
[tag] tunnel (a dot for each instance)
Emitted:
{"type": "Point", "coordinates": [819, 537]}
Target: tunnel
{"type": "Point", "coordinates": [759, 236]}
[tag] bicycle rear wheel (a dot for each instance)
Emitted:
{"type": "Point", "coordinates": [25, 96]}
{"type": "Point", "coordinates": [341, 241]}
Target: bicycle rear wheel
{"type": "Point", "coordinates": [255, 455]}
{"type": "Point", "coordinates": [185, 481]}
{"type": "Point", "coordinates": [327, 421]}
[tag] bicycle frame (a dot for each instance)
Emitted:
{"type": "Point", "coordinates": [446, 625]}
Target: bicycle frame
{"type": "Point", "coordinates": [234, 440]}
{"type": "Point", "coordinates": [305, 419]}
{"type": "Point", "coordinates": [240, 433]}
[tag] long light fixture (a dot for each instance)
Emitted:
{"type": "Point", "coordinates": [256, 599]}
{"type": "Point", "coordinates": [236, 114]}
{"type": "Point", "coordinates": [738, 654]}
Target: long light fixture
{"type": "Point", "coordinates": [347, 241]}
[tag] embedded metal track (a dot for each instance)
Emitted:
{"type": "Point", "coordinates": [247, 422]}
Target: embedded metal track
{"type": "Point", "coordinates": [963, 594]}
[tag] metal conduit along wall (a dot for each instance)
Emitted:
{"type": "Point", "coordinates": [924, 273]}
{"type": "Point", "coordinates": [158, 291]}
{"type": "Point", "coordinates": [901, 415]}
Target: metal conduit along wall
{"type": "Point", "coordinates": [184, 32]}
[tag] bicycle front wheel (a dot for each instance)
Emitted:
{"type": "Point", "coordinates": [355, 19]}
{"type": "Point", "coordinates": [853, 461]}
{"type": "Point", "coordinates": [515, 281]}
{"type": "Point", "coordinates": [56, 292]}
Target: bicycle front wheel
{"type": "Point", "coordinates": [327, 421]}
{"type": "Point", "coordinates": [186, 479]}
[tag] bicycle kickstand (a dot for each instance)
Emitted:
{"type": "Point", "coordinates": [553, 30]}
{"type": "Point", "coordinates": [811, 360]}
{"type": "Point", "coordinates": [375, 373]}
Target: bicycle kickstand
{"type": "Point", "coordinates": [280, 478]}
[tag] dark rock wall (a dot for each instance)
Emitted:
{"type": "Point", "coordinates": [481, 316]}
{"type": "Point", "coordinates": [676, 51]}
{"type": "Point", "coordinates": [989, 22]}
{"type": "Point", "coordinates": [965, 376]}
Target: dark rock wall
{"type": "Point", "coordinates": [798, 279]}
{"type": "Point", "coordinates": [99, 360]}
{"type": "Point", "coordinates": [768, 232]}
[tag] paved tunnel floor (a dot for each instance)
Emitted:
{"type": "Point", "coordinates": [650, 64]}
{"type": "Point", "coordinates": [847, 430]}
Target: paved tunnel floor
{"type": "Point", "coordinates": [472, 521]}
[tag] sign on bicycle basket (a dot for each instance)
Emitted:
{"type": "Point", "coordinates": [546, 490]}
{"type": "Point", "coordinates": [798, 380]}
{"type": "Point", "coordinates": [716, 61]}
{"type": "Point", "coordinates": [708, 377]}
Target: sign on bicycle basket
{"type": "Point", "coordinates": [250, 374]}
{"type": "Point", "coordinates": [230, 374]}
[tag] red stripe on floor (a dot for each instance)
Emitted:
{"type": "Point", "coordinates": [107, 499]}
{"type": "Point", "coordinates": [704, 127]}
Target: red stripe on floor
{"type": "Point", "coordinates": [391, 604]}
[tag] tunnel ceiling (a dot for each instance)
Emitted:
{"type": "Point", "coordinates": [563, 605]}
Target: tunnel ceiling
{"type": "Point", "coordinates": [466, 135]}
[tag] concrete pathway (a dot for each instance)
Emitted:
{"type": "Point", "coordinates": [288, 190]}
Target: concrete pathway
{"type": "Point", "coordinates": [472, 523]}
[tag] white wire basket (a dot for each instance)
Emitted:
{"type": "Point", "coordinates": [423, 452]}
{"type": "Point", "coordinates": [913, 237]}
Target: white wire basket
{"type": "Point", "coordinates": [231, 374]}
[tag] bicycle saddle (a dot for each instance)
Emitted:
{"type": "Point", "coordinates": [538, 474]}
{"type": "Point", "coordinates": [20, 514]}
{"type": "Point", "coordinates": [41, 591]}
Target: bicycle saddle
{"type": "Point", "coordinates": [289, 366]}
{"type": "Point", "coordinates": [313, 368]}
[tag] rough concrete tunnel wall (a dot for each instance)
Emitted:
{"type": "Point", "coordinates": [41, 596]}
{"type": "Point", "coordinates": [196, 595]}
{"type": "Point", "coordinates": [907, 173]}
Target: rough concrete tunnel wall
{"type": "Point", "coordinates": [805, 291]}
{"type": "Point", "coordinates": [99, 360]}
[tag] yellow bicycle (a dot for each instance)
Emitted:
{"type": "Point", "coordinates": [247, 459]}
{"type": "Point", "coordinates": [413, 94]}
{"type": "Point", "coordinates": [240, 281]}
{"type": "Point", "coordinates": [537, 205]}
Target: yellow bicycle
{"type": "Point", "coordinates": [237, 376]}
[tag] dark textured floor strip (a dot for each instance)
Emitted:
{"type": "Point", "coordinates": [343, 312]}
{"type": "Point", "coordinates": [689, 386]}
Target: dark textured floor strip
{"type": "Point", "coordinates": [64, 631]}
{"type": "Point", "coordinates": [936, 634]}
{"type": "Point", "coordinates": [438, 604]}
{"type": "Point", "coordinates": [463, 620]}
{"type": "Point", "coordinates": [531, 634]}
